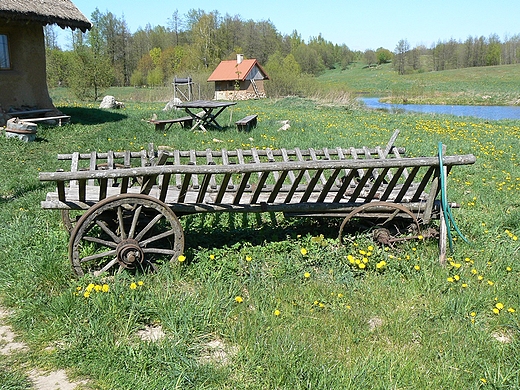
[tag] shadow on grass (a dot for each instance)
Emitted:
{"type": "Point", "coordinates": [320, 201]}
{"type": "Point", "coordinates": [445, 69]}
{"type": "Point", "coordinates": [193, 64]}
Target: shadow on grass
{"type": "Point", "coordinates": [91, 116]}
{"type": "Point", "coordinates": [226, 229]}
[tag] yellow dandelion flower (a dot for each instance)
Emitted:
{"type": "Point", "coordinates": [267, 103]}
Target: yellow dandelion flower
{"type": "Point", "coordinates": [307, 275]}
{"type": "Point", "coordinates": [420, 237]}
{"type": "Point", "coordinates": [105, 288]}
{"type": "Point", "coordinates": [496, 311]}
{"type": "Point", "coordinates": [456, 277]}
{"type": "Point", "coordinates": [97, 288]}
{"type": "Point", "coordinates": [362, 265]}
{"type": "Point", "coordinates": [276, 312]}
{"type": "Point", "coordinates": [450, 279]}
{"type": "Point", "coordinates": [181, 258]}
{"type": "Point", "coordinates": [86, 294]}
{"type": "Point", "coordinates": [509, 269]}
{"type": "Point", "coordinates": [464, 285]}
{"type": "Point", "coordinates": [249, 258]}
{"type": "Point", "coordinates": [490, 282]}
{"type": "Point", "coordinates": [133, 286]}
{"type": "Point", "coordinates": [417, 267]}
{"type": "Point", "coordinates": [140, 283]}
{"type": "Point", "coordinates": [511, 310]}
{"type": "Point", "coordinates": [90, 287]}
{"type": "Point", "coordinates": [473, 314]}
{"type": "Point", "coordinates": [212, 257]}
{"type": "Point", "coordinates": [239, 299]}
{"type": "Point", "coordinates": [499, 305]}
{"type": "Point", "coordinates": [303, 251]}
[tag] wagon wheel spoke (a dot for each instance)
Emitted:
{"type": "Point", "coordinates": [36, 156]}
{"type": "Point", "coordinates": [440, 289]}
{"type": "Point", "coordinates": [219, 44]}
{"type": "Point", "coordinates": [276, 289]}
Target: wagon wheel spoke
{"type": "Point", "coordinates": [103, 225]}
{"type": "Point", "coordinates": [147, 228]}
{"type": "Point", "coordinates": [97, 240]}
{"type": "Point", "coordinates": [135, 219]}
{"type": "Point", "coordinates": [107, 266]}
{"type": "Point", "coordinates": [98, 256]}
{"type": "Point", "coordinates": [121, 222]}
{"type": "Point", "coordinates": [160, 251]}
{"type": "Point", "coordinates": [127, 232]}
{"type": "Point", "coordinates": [158, 237]}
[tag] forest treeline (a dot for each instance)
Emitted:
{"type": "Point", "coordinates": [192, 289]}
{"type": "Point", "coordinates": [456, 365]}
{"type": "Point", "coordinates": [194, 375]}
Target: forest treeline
{"type": "Point", "coordinates": [110, 55]}
{"type": "Point", "coordinates": [194, 43]}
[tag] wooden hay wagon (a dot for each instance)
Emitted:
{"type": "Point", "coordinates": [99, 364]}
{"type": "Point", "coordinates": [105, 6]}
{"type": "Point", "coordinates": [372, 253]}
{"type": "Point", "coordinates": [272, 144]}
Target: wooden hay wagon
{"type": "Point", "coordinates": [132, 200]}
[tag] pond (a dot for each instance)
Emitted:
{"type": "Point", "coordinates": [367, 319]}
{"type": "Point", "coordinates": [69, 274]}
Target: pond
{"type": "Point", "coordinates": [485, 112]}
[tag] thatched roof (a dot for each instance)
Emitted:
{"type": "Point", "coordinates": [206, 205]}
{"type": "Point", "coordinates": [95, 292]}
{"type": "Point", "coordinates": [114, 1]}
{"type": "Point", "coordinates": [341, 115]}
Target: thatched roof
{"type": "Point", "coordinates": [61, 12]}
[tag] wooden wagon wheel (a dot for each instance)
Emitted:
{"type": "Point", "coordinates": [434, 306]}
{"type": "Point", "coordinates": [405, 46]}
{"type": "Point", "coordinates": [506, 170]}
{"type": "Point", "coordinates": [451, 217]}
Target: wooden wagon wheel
{"type": "Point", "coordinates": [127, 231]}
{"type": "Point", "coordinates": [385, 239]}
{"type": "Point", "coordinates": [69, 222]}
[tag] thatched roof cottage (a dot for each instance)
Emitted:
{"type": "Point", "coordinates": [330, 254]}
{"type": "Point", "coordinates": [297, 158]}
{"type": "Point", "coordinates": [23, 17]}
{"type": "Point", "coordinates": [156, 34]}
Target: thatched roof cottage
{"type": "Point", "coordinates": [22, 49]}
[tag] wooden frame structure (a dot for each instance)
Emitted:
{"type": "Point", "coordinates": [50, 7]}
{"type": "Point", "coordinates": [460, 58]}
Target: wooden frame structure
{"type": "Point", "coordinates": [336, 182]}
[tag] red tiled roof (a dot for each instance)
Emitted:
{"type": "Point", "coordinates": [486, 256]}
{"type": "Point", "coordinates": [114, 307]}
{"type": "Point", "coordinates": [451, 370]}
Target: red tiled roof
{"type": "Point", "coordinates": [230, 71]}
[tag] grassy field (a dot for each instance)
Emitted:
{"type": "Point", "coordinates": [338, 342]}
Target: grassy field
{"type": "Point", "coordinates": [271, 303]}
{"type": "Point", "coordinates": [495, 85]}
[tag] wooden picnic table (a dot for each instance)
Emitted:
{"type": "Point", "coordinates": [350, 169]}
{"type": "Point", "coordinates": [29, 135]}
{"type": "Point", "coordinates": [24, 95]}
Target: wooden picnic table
{"type": "Point", "coordinates": [211, 109]}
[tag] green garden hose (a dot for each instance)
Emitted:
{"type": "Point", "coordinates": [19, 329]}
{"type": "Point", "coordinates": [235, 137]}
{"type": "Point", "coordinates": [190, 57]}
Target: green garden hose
{"type": "Point", "coordinates": [446, 209]}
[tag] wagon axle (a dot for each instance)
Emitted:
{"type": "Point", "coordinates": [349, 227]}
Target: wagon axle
{"type": "Point", "coordinates": [129, 253]}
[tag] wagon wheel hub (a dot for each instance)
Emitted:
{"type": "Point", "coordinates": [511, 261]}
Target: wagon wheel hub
{"type": "Point", "coordinates": [129, 253]}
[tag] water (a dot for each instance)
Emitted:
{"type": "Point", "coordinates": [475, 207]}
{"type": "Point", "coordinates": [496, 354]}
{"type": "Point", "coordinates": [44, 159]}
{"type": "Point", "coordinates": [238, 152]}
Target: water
{"type": "Point", "coordinates": [485, 112]}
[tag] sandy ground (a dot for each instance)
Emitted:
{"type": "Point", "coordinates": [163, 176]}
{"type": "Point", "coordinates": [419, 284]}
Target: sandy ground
{"type": "Point", "coordinates": [55, 380]}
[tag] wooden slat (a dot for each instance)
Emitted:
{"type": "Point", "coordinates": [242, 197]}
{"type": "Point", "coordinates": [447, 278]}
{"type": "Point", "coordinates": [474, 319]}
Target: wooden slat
{"type": "Point", "coordinates": [93, 164]}
{"type": "Point", "coordinates": [314, 157]}
{"type": "Point", "coordinates": [361, 184]}
{"type": "Point", "coordinates": [177, 161]}
{"type": "Point", "coordinates": [345, 185]}
{"type": "Point", "coordinates": [244, 183]}
{"type": "Point", "coordinates": [294, 186]}
{"type": "Point", "coordinates": [278, 185]}
{"type": "Point", "coordinates": [225, 161]}
{"type": "Point", "coordinates": [391, 185]}
{"type": "Point", "coordinates": [368, 156]}
{"type": "Point", "coordinates": [299, 156]}
{"type": "Point", "coordinates": [193, 161]}
{"type": "Point", "coordinates": [408, 182]}
{"type": "Point", "coordinates": [259, 186]}
{"type": "Point", "coordinates": [103, 184]}
{"type": "Point", "coordinates": [74, 164]}
{"type": "Point", "coordinates": [285, 157]}
{"type": "Point", "coordinates": [82, 189]}
{"type": "Point", "coordinates": [184, 188]}
{"type": "Point", "coordinates": [376, 185]}
{"type": "Point", "coordinates": [271, 159]}
{"type": "Point", "coordinates": [311, 185]}
{"type": "Point", "coordinates": [426, 178]}
{"type": "Point", "coordinates": [333, 180]}
{"type": "Point", "coordinates": [209, 161]}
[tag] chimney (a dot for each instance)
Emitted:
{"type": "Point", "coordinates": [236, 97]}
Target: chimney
{"type": "Point", "coordinates": [240, 58]}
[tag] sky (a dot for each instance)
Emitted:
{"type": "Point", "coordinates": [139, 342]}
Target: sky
{"type": "Point", "coordinates": [360, 25]}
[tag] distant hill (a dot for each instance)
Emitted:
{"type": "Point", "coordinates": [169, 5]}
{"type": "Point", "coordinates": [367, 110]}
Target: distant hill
{"type": "Point", "coordinates": [490, 85]}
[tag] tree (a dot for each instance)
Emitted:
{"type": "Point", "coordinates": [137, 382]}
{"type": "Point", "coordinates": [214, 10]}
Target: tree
{"type": "Point", "coordinates": [401, 52]}
{"type": "Point", "coordinates": [383, 56]}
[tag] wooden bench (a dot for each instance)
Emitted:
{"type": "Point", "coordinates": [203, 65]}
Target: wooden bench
{"type": "Point", "coordinates": [165, 124]}
{"type": "Point", "coordinates": [247, 123]}
{"type": "Point", "coordinates": [56, 119]}
{"type": "Point", "coordinates": [29, 113]}
{"type": "Point", "coordinates": [132, 200]}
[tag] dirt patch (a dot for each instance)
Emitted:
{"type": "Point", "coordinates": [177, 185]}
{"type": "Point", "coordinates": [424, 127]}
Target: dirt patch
{"type": "Point", "coordinates": [55, 380]}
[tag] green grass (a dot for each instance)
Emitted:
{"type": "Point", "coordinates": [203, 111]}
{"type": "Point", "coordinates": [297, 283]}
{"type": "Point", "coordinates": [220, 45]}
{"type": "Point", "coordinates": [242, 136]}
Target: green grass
{"type": "Point", "coordinates": [406, 325]}
{"type": "Point", "coordinates": [490, 85]}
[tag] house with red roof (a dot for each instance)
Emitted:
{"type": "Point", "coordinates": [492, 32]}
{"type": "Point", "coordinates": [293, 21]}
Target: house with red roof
{"type": "Point", "coordinates": [239, 79]}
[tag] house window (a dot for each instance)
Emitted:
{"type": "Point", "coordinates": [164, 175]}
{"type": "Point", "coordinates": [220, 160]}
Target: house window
{"type": "Point", "coordinates": [5, 63]}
